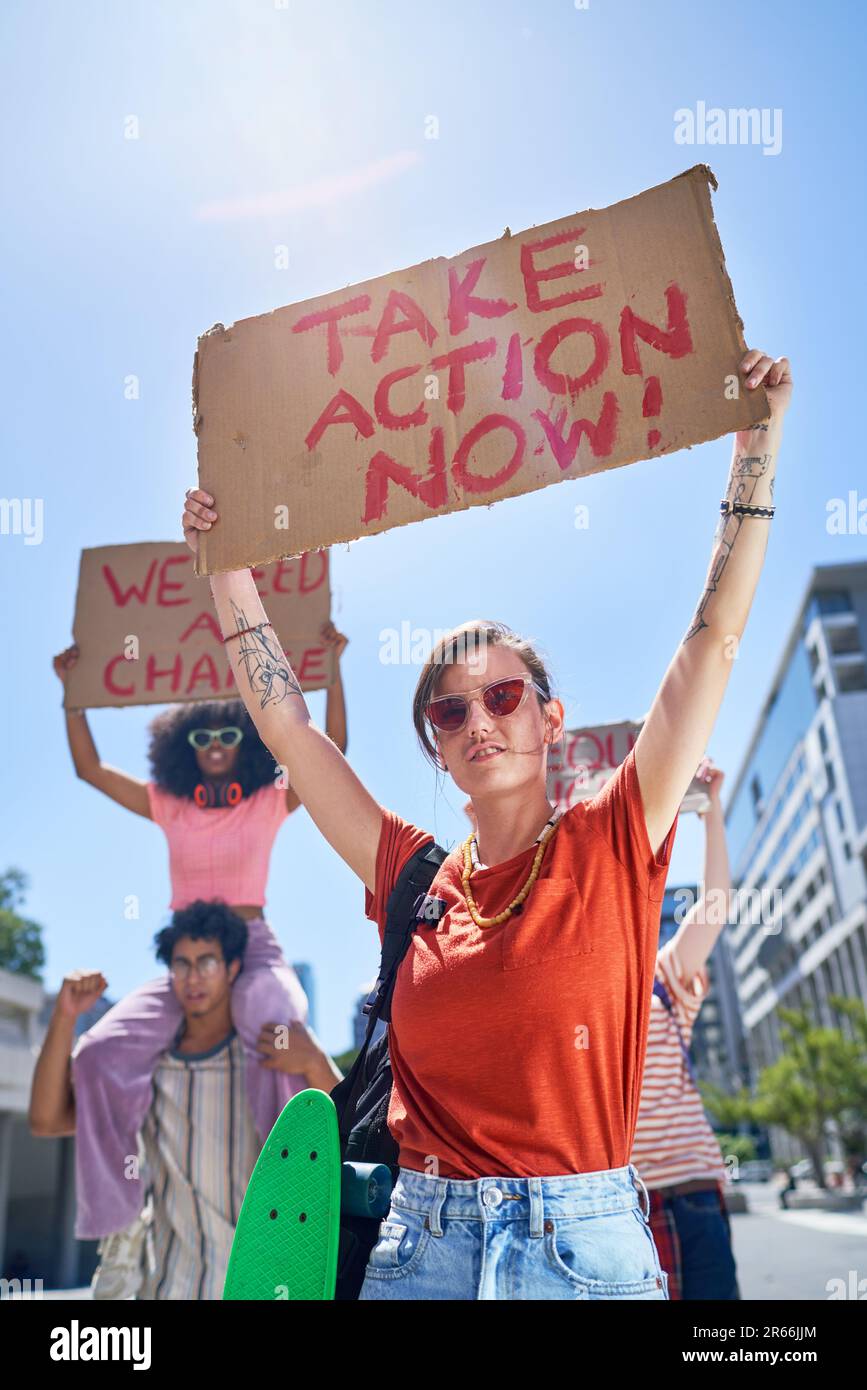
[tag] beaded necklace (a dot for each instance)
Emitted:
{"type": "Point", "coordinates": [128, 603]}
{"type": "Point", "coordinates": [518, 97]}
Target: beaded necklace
{"type": "Point", "coordinates": [471, 863]}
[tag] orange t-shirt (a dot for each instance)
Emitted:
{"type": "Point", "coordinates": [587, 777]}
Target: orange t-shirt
{"type": "Point", "coordinates": [518, 1050]}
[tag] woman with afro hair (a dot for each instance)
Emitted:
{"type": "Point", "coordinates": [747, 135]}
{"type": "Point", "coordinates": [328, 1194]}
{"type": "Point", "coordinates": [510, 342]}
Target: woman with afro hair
{"type": "Point", "coordinates": [217, 795]}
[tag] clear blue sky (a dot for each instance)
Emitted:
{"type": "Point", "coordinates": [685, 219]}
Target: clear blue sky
{"type": "Point", "coordinates": [112, 266]}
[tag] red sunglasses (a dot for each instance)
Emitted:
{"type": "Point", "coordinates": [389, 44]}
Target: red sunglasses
{"type": "Point", "coordinates": [450, 713]}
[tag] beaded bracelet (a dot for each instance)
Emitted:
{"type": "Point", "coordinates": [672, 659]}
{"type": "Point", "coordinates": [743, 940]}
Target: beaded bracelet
{"type": "Point", "coordinates": [743, 509]}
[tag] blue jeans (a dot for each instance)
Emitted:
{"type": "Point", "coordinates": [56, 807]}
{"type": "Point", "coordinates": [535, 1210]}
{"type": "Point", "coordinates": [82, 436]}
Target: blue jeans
{"type": "Point", "coordinates": [707, 1262]}
{"type": "Point", "coordinates": [582, 1236]}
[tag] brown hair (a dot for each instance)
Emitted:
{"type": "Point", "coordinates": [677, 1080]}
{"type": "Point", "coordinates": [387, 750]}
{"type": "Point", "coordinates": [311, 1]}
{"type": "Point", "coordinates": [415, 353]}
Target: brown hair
{"type": "Point", "coordinates": [461, 644]}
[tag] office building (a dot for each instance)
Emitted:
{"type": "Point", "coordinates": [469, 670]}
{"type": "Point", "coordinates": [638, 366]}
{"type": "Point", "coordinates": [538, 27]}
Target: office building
{"type": "Point", "coordinates": [797, 822]}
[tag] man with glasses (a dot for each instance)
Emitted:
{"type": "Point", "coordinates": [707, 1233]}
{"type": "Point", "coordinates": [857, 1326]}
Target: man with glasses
{"type": "Point", "coordinates": [198, 1143]}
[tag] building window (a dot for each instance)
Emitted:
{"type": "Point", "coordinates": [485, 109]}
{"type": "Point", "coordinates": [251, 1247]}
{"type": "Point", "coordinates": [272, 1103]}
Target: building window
{"type": "Point", "coordinates": [841, 820]}
{"type": "Point", "coordinates": [829, 773]}
{"type": "Point", "coordinates": [844, 641]}
{"type": "Point", "coordinates": [852, 678]}
{"type": "Point", "coordinates": [831, 601]}
{"type": "Point", "coordinates": [823, 738]}
{"type": "Point", "coordinates": [847, 850]}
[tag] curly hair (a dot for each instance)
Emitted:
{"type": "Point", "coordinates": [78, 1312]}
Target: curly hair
{"type": "Point", "coordinates": [173, 760]}
{"type": "Point", "coordinates": [204, 921]}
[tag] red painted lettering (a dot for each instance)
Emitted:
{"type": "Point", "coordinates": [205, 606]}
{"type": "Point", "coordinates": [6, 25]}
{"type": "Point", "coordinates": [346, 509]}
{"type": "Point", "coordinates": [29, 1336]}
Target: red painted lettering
{"type": "Point", "coordinates": [559, 382]}
{"type": "Point", "coordinates": [332, 318]}
{"type": "Point", "coordinates": [122, 596]}
{"type": "Point", "coordinates": [601, 435]}
{"type": "Point", "coordinates": [204, 670]}
{"type": "Point", "coordinates": [675, 340]}
{"type": "Point", "coordinates": [456, 360]}
{"type": "Point", "coordinates": [533, 277]}
{"type": "Point", "coordinates": [108, 678]}
{"type": "Point", "coordinates": [205, 622]}
{"type": "Point", "coordinates": [353, 414]}
{"type": "Point", "coordinates": [384, 413]}
{"type": "Point", "coordinates": [312, 666]}
{"type": "Point", "coordinates": [314, 571]}
{"type": "Point", "coordinates": [165, 585]}
{"type": "Point", "coordinates": [154, 674]}
{"type": "Point", "coordinates": [462, 301]}
{"type": "Point", "coordinates": [513, 376]}
{"type": "Point", "coordinates": [431, 489]}
{"type": "Point", "coordinates": [414, 321]}
{"type": "Point", "coordinates": [474, 482]}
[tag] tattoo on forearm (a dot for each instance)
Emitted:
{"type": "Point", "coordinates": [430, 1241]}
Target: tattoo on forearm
{"type": "Point", "coordinates": [746, 473]}
{"type": "Point", "coordinates": [267, 669]}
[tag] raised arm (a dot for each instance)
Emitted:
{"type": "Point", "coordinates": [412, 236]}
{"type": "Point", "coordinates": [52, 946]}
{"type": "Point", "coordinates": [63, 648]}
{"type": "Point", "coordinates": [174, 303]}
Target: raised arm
{"type": "Point", "coordinates": [676, 731]}
{"type": "Point", "coordinates": [120, 786]}
{"type": "Point", "coordinates": [52, 1099]}
{"type": "Point", "coordinates": [697, 934]}
{"type": "Point", "coordinates": [336, 799]}
{"type": "Point", "coordinates": [335, 701]}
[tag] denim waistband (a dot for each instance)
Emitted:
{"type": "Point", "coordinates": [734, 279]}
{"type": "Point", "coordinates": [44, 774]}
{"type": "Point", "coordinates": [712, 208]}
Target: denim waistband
{"type": "Point", "coordinates": [520, 1199]}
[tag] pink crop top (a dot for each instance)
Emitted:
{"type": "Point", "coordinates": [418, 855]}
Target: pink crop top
{"type": "Point", "coordinates": [221, 852]}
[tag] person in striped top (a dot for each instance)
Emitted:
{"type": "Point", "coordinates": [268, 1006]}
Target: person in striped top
{"type": "Point", "coordinates": [675, 1149]}
{"type": "Point", "coordinates": [198, 1143]}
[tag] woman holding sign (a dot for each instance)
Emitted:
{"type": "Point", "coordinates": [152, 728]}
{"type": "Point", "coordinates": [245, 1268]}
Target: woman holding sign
{"type": "Point", "coordinates": [215, 794]}
{"type": "Point", "coordinates": [521, 1015]}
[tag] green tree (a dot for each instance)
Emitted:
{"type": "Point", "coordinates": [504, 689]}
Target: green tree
{"type": "Point", "coordinates": [727, 1111]}
{"type": "Point", "coordinates": [853, 1120]}
{"type": "Point", "coordinates": [820, 1080]}
{"type": "Point", "coordinates": [21, 948]}
{"type": "Point", "coordinates": [739, 1147]}
{"type": "Point", "coordinates": [809, 1086]}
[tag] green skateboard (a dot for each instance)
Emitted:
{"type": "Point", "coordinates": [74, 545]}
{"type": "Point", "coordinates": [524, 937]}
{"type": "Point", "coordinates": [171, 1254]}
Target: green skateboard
{"type": "Point", "coordinates": [286, 1240]}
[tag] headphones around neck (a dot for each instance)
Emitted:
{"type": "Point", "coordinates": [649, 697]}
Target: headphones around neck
{"type": "Point", "coordinates": [210, 794]}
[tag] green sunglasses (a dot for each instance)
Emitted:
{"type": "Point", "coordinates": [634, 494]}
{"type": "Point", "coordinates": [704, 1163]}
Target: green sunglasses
{"type": "Point", "coordinates": [203, 738]}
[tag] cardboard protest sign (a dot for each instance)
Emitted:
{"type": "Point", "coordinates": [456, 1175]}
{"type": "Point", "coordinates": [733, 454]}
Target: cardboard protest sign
{"type": "Point", "coordinates": [581, 764]}
{"type": "Point", "coordinates": [148, 631]}
{"type": "Point", "coordinates": [588, 343]}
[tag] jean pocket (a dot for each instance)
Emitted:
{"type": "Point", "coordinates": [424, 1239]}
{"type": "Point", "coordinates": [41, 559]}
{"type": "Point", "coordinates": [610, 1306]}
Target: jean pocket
{"type": "Point", "coordinates": [553, 926]}
{"type": "Point", "coordinates": [611, 1256]}
{"type": "Point", "coordinates": [403, 1238]}
{"type": "Point", "coordinates": [700, 1203]}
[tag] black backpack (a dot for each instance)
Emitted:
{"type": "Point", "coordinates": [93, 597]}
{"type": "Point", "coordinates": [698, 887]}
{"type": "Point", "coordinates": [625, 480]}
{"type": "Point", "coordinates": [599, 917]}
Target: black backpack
{"type": "Point", "coordinates": [362, 1097]}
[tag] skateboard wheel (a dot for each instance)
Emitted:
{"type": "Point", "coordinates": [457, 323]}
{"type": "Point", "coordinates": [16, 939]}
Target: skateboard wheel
{"type": "Point", "coordinates": [366, 1189]}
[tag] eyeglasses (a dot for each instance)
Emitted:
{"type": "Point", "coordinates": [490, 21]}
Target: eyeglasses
{"type": "Point", "coordinates": [203, 738]}
{"type": "Point", "coordinates": [206, 967]}
{"type": "Point", "coordinates": [450, 713]}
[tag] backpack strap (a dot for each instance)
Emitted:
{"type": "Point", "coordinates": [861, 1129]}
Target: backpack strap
{"type": "Point", "coordinates": [663, 995]}
{"type": "Point", "coordinates": [408, 903]}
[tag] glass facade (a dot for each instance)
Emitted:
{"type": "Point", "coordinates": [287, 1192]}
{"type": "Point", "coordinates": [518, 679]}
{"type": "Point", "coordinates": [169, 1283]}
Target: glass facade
{"type": "Point", "coordinates": [786, 724]}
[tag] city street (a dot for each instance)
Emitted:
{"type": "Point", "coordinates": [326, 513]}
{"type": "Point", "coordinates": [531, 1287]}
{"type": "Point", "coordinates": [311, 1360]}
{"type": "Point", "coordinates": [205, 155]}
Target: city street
{"type": "Point", "coordinates": [792, 1255]}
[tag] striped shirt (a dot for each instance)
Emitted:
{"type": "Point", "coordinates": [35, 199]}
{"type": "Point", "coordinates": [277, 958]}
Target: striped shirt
{"type": "Point", "coordinates": [200, 1148]}
{"type": "Point", "coordinates": [674, 1141]}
